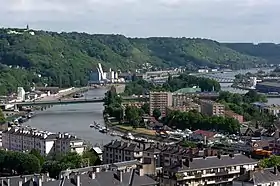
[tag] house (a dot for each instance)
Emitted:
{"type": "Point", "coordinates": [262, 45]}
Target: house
{"type": "Point", "coordinates": [260, 177]}
{"type": "Point", "coordinates": [202, 135]}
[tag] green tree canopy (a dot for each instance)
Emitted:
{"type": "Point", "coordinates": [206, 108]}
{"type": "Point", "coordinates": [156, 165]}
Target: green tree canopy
{"type": "Point", "coordinates": [156, 113]}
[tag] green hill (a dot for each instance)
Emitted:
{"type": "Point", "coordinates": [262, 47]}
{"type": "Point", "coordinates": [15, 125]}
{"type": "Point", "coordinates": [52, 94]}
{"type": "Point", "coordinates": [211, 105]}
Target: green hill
{"type": "Point", "coordinates": [65, 59]}
{"type": "Point", "coordinates": [268, 51]}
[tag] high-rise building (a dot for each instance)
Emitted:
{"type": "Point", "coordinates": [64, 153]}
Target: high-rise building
{"type": "Point", "coordinates": [212, 108]}
{"type": "Point", "coordinates": [160, 100]}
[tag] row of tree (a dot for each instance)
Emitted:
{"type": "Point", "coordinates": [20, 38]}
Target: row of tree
{"type": "Point", "coordinates": [19, 163]}
{"type": "Point", "coordinates": [2, 117]}
{"type": "Point", "coordinates": [140, 86]}
{"type": "Point", "coordinates": [194, 120]}
{"type": "Point", "coordinates": [242, 104]}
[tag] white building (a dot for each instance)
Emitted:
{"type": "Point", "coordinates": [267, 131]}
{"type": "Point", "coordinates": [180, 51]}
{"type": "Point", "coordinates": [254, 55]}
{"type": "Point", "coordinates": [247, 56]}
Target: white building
{"type": "Point", "coordinates": [202, 71]}
{"type": "Point", "coordinates": [20, 94]}
{"type": "Point", "coordinates": [25, 139]}
{"type": "Point", "coordinates": [253, 81]}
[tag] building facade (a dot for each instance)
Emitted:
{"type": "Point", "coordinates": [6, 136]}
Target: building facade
{"type": "Point", "coordinates": [26, 139]}
{"type": "Point", "coordinates": [180, 99]}
{"type": "Point", "coordinates": [234, 115]}
{"type": "Point", "coordinates": [186, 108]}
{"type": "Point", "coordinates": [211, 170]}
{"type": "Point", "coordinates": [212, 108]}
{"type": "Point", "coordinates": [268, 87]}
{"type": "Point", "coordinates": [160, 100]}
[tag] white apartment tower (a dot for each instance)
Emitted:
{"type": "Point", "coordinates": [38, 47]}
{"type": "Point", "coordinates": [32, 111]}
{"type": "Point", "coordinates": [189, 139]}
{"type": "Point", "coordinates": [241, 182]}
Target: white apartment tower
{"type": "Point", "coordinates": [160, 100]}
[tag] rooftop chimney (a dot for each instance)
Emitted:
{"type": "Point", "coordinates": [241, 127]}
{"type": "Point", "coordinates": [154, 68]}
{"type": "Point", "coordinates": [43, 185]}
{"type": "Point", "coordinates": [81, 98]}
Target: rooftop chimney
{"type": "Point", "coordinates": [118, 175]}
{"type": "Point", "coordinates": [20, 183]}
{"type": "Point", "coordinates": [8, 182]}
{"type": "Point", "coordinates": [77, 180]}
{"type": "Point", "coordinates": [275, 170]}
{"type": "Point", "coordinates": [93, 175]}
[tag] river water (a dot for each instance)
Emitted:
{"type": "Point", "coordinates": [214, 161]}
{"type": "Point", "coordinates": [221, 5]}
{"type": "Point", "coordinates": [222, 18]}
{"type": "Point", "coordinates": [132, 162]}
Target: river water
{"type": "Point", "coordinates": [76, 118]}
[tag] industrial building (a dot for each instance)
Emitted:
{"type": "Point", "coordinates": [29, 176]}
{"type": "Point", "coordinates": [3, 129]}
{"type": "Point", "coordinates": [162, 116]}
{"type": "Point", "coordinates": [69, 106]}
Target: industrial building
{"type": "Point", "coordinates": [268, 87]}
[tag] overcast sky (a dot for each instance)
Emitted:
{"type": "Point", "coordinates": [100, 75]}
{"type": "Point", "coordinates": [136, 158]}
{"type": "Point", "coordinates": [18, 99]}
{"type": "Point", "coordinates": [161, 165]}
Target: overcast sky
{"type": "Point", "coordinates": [222, 20]}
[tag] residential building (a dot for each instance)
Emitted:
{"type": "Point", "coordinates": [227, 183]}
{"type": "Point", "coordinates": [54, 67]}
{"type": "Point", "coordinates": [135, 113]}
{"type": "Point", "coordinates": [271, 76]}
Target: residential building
{"type": "Point", "coordinates": [212, 108]}
{"type": "Point", "coordinates": [234, 115]}
{"type": "Point", "coordinates": [118, 151]}
{"type": "Point", "coordinates": [180, 99]}
{"type": "Point", "coordinates": [260, 177]}
{"type": "Point", "coordinates": [160, 100]}
{"type": "Point", "coordinates": [272, 109]}
{"type": "Point", "coordinates": [211, 170]}
{"type": "Point", "coordinates": [202, 135]}
{"type": "Point", "coordinates": [133, 104]}
{"type": "Point", "coordinates": [185, 108]}
{"type": "Point", "coordinates": [25, 139]}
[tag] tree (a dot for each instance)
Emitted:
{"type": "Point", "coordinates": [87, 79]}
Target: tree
{"type": "Point", "coordinates": [132, 114]}
{"type": "Point", "coordinates": [270, 162]}
{"type": "Point", "coordinates": [146, 108]}
{"type": "Point", "coordinates": [37, 154]}
{"type": "Point", "coordinates": [2, 117]}
{"type": "Point", "coordinates": [90, 158]}
{"type": "Point", "coordinates": [156, 113]}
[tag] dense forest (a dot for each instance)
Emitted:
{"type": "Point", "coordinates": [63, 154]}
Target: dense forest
{"type": "Point", "coordinates": [65, 59]}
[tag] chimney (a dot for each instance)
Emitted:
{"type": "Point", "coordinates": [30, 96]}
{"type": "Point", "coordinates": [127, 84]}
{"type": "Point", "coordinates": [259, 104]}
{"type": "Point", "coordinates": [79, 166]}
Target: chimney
{"type": "Point", "coordinates": [93, 175]}
{"type": "Point", "coordinates": [40, 180]}
{"type": "Point", "coordinates": [118, 175]}
{"type": "Point", "coordinates": [275, 170]}
{"type": "Point", "coordinates": [20, 183]}
{"type": "Point", "coordinates": [8, 182]}
{"type": "Point", "coordinates": [78, 180]}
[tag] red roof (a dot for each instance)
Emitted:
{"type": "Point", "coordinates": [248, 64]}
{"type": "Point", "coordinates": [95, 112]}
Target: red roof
{"type": "Point", "coordinates": [208, 134]}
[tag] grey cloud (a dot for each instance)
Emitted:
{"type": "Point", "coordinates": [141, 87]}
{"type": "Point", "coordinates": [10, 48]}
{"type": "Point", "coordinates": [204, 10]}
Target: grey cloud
{"type": "Point", "coordinates": [223, 20]}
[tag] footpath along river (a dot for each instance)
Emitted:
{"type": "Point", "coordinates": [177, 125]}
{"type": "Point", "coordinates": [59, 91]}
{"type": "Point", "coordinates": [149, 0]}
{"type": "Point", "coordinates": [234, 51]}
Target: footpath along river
{"type": "Point", "coordinates": [74, 119]}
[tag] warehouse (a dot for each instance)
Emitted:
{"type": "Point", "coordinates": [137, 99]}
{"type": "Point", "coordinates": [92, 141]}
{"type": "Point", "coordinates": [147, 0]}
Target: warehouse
{"type": "Point", "coordinates": [268, 87]}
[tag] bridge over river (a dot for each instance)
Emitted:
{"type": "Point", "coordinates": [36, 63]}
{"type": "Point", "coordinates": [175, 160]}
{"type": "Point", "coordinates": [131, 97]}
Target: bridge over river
{"type": "Point", "coordinates": [71, 101]}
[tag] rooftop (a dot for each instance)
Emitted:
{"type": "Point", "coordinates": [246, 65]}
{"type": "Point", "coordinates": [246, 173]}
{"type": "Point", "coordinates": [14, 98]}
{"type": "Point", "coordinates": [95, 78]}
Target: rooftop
{"type": "Point", "coordinates": [213, 162]}
{"type": "Point", "coordinates": [188, 90]}
{"type": "Point", "coordinates": [269, 83]}
{"type": "Point", "coordinates": [35, 133]}
{"type": "Point", "coordinates": [260, 177]}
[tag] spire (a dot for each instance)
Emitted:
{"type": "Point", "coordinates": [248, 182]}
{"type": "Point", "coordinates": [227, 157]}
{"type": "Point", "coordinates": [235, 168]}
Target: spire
{"type": "Point", "coordinates": [27, 27]}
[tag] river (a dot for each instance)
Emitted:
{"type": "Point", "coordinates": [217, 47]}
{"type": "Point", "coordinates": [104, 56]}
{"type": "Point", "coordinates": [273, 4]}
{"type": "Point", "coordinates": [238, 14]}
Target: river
{"type": "Point", "coordinates": [74, 119]}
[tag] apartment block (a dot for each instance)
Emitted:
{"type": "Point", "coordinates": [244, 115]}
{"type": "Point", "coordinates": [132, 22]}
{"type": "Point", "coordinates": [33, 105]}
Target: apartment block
{"type": "Point", "coordinates": [25, 139]}
{"type": "Point", "coordinates": [212, 108]}
{"type": "Point", "coordinates": [186, 108]}
{"type": "Point", "coordinates": [118, 151]}
{"type": "Point", "coordinates": [234, 115]}
{"type": "Point", "coordinates": [180, 99]}
{"type": "Point", "coordinates": [207, 170]}
{"type": "Point", "coordinates": [160, 100]}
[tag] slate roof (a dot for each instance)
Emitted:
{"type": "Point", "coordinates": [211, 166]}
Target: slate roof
{"type": "Point", "coordinates": [260, 177]}
{"type": "Point", "coordinates": [34, 133]}
{"type": "Point", "coordinates": [101, 179]}
{"type": "Point", "coordinates": [213, 162]}
{"type": "Point", "coordinates": [116, 144]}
